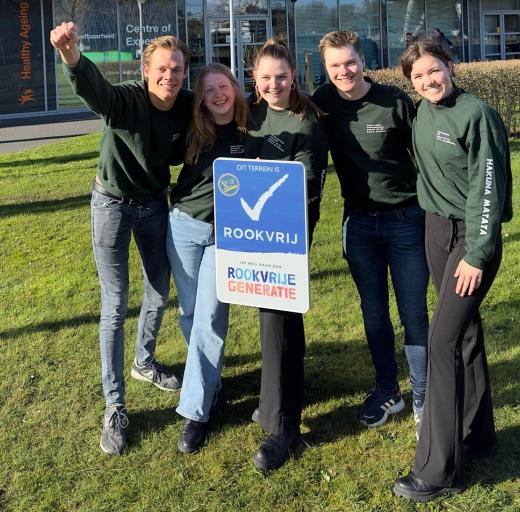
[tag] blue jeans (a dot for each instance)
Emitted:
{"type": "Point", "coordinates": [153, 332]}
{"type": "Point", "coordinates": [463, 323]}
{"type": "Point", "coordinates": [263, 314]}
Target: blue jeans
{"type": "Point", "coordinates": [113, 222]}
{"type": "Point", "coordinates": [372, 243]}
{"type": "Point", "coordinates": [203, 318]}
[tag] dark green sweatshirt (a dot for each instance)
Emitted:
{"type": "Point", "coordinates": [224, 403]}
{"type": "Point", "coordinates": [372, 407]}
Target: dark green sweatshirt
{"type": "Point", "coordinates": [370, 143]}
{"type": "Point", "coordinates": [462, 152]}
{"type": "Point", "coordinates": [193, 193]}
{"type": "Point", "coordinates": [281, 135]}
{"type": "Point", "coordinates": [139, 142]}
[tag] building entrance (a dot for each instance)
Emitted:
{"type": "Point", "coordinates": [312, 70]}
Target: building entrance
{"type": "Point", "coordinates": [251, 32]}
{"type": "Point", "coordinates": [500, 35]}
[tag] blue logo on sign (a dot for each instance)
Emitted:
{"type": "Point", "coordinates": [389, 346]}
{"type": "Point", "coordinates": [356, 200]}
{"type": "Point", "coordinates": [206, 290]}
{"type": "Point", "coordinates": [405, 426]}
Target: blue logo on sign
{"type": "Point", "coordinates": [228, 184]}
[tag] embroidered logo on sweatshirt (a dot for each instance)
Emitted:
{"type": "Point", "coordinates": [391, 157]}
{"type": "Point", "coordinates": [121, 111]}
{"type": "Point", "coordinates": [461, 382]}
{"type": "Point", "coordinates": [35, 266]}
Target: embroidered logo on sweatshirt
{"type": "Point", "coordinates": [276, 142]}
{"type": "Point", "coordinates": [376, 128]}
{"type": "Point", "coordinates": [175, 136]}
{"type": "Point", "coordinates": [486, 207]}
{"type": "Point", "coordinates": [444, 137]}
{"type": "Point", "coordinates": [237, 149]}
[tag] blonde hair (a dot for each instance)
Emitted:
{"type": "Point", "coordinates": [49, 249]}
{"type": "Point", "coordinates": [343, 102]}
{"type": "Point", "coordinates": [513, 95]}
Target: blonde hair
{"type": "Point", "coordinates": [276, 48]}
{"type": "Point", "coordinates": [201, 133]}
{"type": "Point", "coordinates": [340, 39]}
{"type": "Point", "coordinates": [169, 43]}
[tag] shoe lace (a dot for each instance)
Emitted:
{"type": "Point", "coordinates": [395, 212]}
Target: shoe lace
{"type": "Point", "coordinates": [160, 371]}
{"type": "Point", "coordinates": [118, 420]}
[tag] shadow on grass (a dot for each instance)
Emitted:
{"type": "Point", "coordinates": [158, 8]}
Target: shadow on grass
{"type": "Point", "coordinates": [51, 205]}
{"type": "Point", "coordinates": [56, 160]}
{"type": "Point", "coordinates": [509, 239]}
{"type": "Point", "coordinates": [505, 390]}
{"type": "Point", "coordinates": [52, 172]}
{"type": "Point", "coordinates": [146, 422]}
{"type": "Point", "coordinates": [67, 323]}
{"type": "Point", "coordinates": [328, 376]}
{"type": "Point", "coordinates": [502, 465]}
{"type": "Point", "coordinates": [505, 332]}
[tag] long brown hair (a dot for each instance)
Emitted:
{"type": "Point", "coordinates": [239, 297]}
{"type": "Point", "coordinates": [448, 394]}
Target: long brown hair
{"type": "Point", "coordinates": [276, 48]}
{"type": "Point", "coordinates": [201, 133]}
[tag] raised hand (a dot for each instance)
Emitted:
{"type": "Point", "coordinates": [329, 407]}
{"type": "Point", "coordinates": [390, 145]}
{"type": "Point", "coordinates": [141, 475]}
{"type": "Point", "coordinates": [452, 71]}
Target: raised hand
{"type": "Point", "coordinates": [65, 39]}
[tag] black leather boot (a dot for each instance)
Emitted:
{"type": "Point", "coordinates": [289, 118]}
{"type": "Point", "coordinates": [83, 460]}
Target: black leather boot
{"type": "Point", "coordinates": [192, 436]}
{"type": "Point", "coordinates": [276, 449]}
{"type": "Point", "coordinates": [415, 489]}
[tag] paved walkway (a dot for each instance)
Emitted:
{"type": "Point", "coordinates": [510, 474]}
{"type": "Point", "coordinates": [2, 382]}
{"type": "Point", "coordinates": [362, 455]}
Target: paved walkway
{"type": "Point", "coordinates": [19, 134]}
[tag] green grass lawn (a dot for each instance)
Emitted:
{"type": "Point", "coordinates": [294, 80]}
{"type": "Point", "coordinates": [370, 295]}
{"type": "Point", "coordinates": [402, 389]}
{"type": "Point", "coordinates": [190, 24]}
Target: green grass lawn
{"type": "Point", "coordinates": [51, 402]}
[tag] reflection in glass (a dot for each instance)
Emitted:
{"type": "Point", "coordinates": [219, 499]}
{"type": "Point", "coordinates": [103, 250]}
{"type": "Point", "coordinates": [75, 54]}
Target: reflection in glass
{"type": "Point", "coordinates": [240, 7]}
{"type": "Point", "coordinates": [447, 16]}
{"type": "Point", "coordinates": [500, 5]}
{"type": "Point", "coordinates": [196, 45]}
{"type": "Point", "coordinates": [253, 36]}
{"type": "Point", "coordinates": [403, 16]}
{"type": "Point", "coordinates": [512, 35]}
{"type": "Point", "coordinates": [313, 19]}
{"type": "Point", "coordinates": [219, 36]}
{"type": "Point", "coordinates": [362, 17]}
{"type": "Point", "coordinates": [98, 40]}
{"type": "Point", "coordinates": [491, 23]}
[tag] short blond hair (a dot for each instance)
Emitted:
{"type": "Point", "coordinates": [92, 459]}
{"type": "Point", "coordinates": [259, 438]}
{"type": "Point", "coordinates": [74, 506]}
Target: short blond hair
{"type": "Point", "coordinates": [169, 43]}
{"type": "Point", "coordinates": [340, 39]}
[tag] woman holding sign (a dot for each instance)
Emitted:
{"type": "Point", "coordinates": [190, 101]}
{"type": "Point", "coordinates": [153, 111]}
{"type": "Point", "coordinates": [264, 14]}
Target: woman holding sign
{"type": "Point", "coordinates": [464, 185]}
{"type": "Point", "coordinates": [284, 126]}
{"type": "Point", "coordinates": [220, 114]}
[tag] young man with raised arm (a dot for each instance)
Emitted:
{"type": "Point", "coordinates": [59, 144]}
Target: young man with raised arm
{"type": "Point", "coordinates": [143, 133]}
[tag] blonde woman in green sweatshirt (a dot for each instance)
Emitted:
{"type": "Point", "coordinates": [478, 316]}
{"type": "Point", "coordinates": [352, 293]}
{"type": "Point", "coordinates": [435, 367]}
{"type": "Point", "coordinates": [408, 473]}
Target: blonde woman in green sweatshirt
{"type": "Point", "coordinates": [464, 185]}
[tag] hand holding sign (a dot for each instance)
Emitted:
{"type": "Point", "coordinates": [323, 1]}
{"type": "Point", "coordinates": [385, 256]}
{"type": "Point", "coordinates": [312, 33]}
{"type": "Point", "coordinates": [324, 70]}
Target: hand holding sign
{"type": "Point", "coordinates": [65, 39]}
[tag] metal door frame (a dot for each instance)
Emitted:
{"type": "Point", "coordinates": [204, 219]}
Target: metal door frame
{"type": "Point", "coordinates": [501, 14]}
{"type": "Point", "coordinates": [239, 54]}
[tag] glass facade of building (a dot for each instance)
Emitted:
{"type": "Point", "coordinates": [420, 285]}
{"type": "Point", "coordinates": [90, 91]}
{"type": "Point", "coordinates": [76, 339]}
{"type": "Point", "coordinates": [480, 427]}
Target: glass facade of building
{"type": "Point", "coordinates": [109, 33]}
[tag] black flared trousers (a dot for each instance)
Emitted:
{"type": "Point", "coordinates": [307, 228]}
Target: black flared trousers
{"type": "Point", "coordinates": [458, 408]}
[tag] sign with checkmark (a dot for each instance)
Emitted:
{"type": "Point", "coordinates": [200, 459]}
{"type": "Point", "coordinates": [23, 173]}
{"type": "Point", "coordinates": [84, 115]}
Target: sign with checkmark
{"type": "Point", "coordinates": [261, 233]}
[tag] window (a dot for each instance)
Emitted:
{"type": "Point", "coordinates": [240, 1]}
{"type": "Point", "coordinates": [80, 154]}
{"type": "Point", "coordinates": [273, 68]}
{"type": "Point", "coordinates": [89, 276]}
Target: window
{"type": "Point", "coordinates": [313, 19]}
{"type": "Point", "coordinates": [403, 16]}
{"type": "Point", "coordinates": [363, 17]}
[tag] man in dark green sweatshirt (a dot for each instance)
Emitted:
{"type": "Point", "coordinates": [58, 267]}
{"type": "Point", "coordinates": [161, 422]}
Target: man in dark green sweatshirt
{"type": "Point", "coordinates": [369, 128]}
{"type": "Point", "coordinates": [144, 130]}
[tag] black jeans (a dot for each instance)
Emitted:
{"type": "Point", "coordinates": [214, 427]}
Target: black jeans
{"type": "Point", "coordinates": [282, 340]}
{"type": "Point", "coordinates": [458, 408]}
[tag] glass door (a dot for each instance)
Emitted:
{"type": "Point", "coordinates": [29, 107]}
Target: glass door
{"type": "Point", "coordinates": [253, 34]}
{"type": "Point", "coordinates": [511, 35]}
{"type": "Point", "coordinates": [250, 34]}
{"type": "Point", "coordinates": [500, 35]}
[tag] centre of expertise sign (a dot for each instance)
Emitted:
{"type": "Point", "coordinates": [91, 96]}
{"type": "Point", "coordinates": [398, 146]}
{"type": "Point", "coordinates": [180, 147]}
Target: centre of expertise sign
{"type": "Point", "coordinates": [261, 233]}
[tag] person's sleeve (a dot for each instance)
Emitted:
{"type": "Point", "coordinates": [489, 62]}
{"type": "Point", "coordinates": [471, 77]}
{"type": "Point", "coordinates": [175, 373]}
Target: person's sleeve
{"type": "Point", "coordinates": [407, 116]}
{"type": "Point", "coordinates": [90, 85]}
{"type": "Point", "coordinates": [312, 151]}
{"type": "Point", "coordinates": [178, 152]}
{"type": "Point", "coordinates": [488, 162]}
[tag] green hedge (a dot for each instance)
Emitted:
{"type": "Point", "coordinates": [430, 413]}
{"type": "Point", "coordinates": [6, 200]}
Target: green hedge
{"type": "Point", "coordinates": [496, 82]}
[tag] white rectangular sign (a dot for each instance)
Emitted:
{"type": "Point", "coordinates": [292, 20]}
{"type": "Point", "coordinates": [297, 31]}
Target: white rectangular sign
{"type": "Point", "coordinates": [261, 233]}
